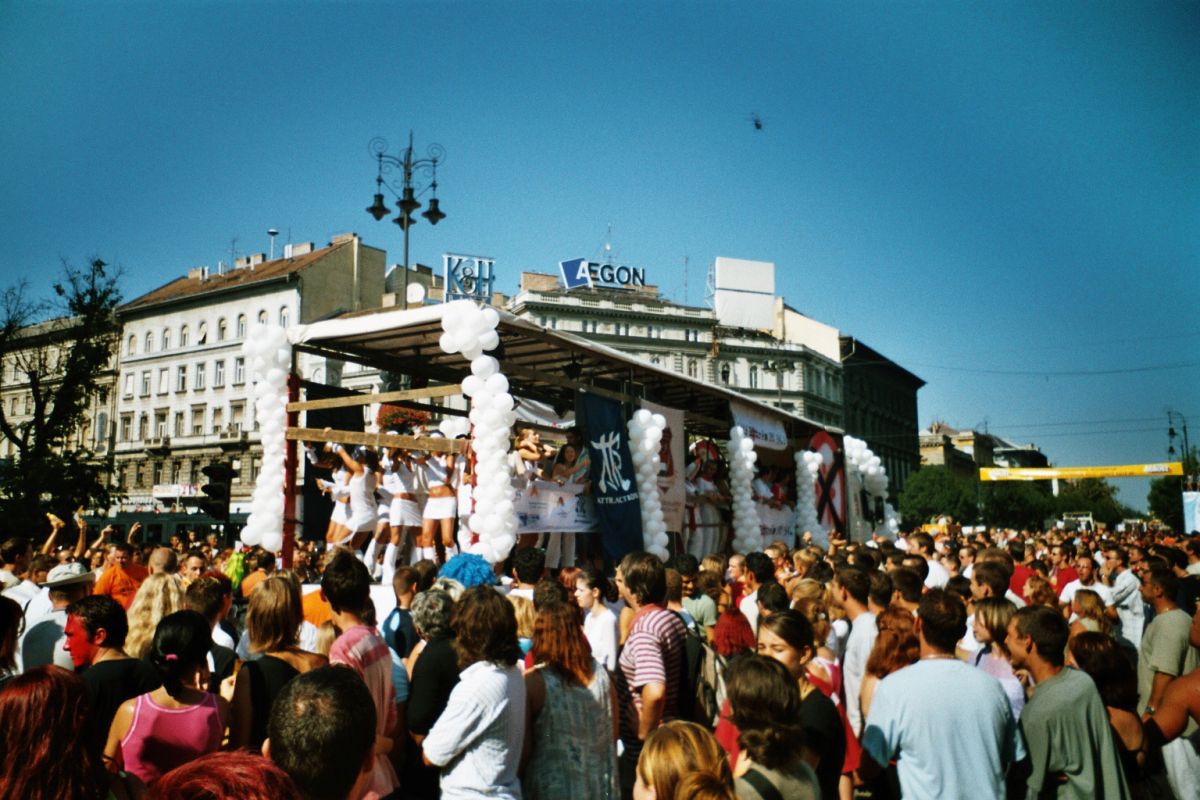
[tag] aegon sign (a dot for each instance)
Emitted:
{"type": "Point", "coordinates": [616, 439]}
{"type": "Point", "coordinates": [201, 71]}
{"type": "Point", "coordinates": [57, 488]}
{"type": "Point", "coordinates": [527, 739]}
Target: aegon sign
{"type": "Point", "coordinates": [578, 272]}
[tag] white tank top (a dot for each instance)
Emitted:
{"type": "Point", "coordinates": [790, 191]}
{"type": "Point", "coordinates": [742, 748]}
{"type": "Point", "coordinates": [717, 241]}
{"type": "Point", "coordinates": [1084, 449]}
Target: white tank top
{"type": "Point", "coordinates": [363, 507]}
{"type": "Point", "coordinates": [399, 479]}
{"type": "Point", "coordinates": [435, 471]}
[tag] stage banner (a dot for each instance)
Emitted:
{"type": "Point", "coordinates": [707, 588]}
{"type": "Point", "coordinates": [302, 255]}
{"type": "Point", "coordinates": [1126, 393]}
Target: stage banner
{"type": "Point", "coordinates": [546, 507]}
{"type": "Point", "coordinates": [614, 486]}
{"type": "Point", "coordinates": [671, 467]}
{"type": "Point", "coordinates": [765, 432]}
{"type": "Point", "coordinates": [1191, 512]}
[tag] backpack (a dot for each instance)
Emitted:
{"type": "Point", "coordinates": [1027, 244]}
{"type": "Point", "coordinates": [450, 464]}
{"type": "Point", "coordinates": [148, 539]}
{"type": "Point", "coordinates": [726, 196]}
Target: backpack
{"type": "Point", "coordinates": [702, 684]}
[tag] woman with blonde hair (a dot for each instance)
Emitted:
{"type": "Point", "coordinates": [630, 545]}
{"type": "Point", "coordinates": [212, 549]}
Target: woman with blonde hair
{"type": "Point", "coordinates": [992, 615]}
{"type": "Point", "coordinates": [159, 595]}
{"type": "Point", "coordinates": [674, 751]}
{"type": "Point", "coordinates": [1088, 611]}
{"type": "Point", "coordinates": [273, 624]}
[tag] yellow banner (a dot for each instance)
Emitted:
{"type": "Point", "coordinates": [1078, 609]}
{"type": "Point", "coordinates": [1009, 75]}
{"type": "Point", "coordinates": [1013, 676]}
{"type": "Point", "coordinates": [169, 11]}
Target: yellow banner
{"type": "Point", "coordinates": [1075, 473]}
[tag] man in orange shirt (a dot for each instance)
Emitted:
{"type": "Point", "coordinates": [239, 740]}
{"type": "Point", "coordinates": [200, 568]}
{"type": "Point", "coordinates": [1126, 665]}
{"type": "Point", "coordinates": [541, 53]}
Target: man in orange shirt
{"type": "Point", "coordinates": [264, 564]}
{"type": "Point", "coordinates": [116, 581]}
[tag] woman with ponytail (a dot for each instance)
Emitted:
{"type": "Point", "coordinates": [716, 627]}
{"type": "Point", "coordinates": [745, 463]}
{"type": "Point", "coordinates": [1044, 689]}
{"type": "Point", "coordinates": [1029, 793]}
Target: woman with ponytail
{"type": "Point", "coordinates": [180, 721]}
{"type": "Point", "coordinates": [764, 702]}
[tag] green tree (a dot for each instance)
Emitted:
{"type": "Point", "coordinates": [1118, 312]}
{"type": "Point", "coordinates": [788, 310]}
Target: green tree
{"type": "Point", "coordinates": [1017, 504]}
{"type": "Point", "coordinates": [934, 491]}
{"type": "Point", "coordinates": [1165, 498]}
{"type": "Point", "coordinates": [52, 354]}
{"type": "Point", "coordinates": [1095, 495]}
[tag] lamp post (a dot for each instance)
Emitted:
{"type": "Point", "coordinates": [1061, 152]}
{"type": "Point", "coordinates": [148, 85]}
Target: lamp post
{"type": "Point", "coordinates": [1175, 418]}
{"type": "Point", "coordinates": [406, 190]}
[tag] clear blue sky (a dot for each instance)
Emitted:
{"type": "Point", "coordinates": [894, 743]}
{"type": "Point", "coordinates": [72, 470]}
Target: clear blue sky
{"type": "Point", "coordinates": [975, 189]}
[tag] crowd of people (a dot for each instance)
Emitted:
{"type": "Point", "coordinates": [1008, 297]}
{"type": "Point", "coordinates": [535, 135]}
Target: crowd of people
{"type": "Point", "coordinates": [996, 664]}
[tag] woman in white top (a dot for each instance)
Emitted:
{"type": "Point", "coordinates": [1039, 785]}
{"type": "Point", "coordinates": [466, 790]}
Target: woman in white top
{"type": "Point", "coordinates": [404, 514]}
{"type": "Point", "coordinates": [525, 460]}
{"type": "Point", "coordinates": [440, 511]}
{"type": "Point", "coordinates": [362, 508]}
{"type": "Point", "coordinates": [599, 622]}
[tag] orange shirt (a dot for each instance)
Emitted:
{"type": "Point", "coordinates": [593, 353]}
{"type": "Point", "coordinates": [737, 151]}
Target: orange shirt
{"type": "Point", "coordinates": [316, 609]}
{"type": "Point", "coordinates": [119, 585]}
{"type": "Point", "coordinates": [252, 580]}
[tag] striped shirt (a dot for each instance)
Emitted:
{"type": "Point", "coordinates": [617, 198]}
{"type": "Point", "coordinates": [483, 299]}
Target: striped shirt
{"type": "Point", "coordinates": [653, 653]}
{"type": "Point", "coordinates": [362, 649]}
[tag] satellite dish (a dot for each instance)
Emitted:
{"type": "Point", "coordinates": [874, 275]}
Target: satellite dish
{"type": "Point", "coordinates": [416, 293]}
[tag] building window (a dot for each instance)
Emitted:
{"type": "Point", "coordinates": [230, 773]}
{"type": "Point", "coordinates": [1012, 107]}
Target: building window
{"type": "Point", "coordinates": [183, 335]}
{"type": "Point", "coordinates": [143, 427]}
{"type": "Point", "coordinates": [129, 379]}
{"type": "Point", "coordinates": [218, 420]}
{"type": "Point", "coordinates": [239, 371]}
{"type": "Point", "coordinates": [132, 348]}
{"type": "Point", "coordinates": [218, 374]}
{"type": "Point", "coordinates": [160, 425]}
{"type": "Point", "coordinates": [202, 334]}
{"type": "Point", "coordinates": [166, 339]}
{"type": "Point", "coordinates": [149, 342]}
{"type": "Point", "coordinates": [126, 427]}
{"type": "Point", "coordinates": [753, 377]}
{"type": "Point", "coordinates": [283, 317]}
{"type": "Point", "coordinates": [146, 383]}
{"type": "Point", "coordinates": [691, 368]}
{"type": "Point", "coordinates": [178, 427]}
{"type": "Point", "coordinates": [255, 468]}
{"type": "Point", "coordinates": [181, 379]}
{"type": "Point", "coordinates": [156, 472]}
{"type": "Point", "coordinates": [262, 317]}
{"type": "Point", "coordinates": [725, 373]}
{"type": "Point", "coordinates": [176, 469]}
{"type": "Point", "coordinates": [655, 360]}
{"type": "Point", "coordinates": [221, 329]}
{"type": "Point", "coordinates": [197, 420]}
{"type": "Point", "coordinates": [199, 376]}
{"type": "Point", "coordinates": [101, 428]}
{"type": "Point", "coordinates": [241, 326]}
{"type": "Point", "coordinates": [28, 404]}
{"type": "Point", "coordinates": [164, 380]}
{"type": "Point", "coordinates": [236, 412]}
{"type": "Point", "coordinates": [623, 329]}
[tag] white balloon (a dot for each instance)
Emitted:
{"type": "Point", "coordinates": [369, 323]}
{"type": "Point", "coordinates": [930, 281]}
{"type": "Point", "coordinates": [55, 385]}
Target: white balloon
{"type": "Point", "coordinates": [497, 383]}
{"type": "Point", "coordinates": [485, 366]}
{"type": "Point", "coordinates": [491, 318]}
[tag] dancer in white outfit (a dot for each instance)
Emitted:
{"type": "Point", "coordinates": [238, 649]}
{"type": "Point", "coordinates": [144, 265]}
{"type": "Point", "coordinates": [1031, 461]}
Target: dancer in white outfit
{"type": "Point", "coordinates": [439, 513]}
{"type": "Point", "coordinates": [404, 515]}
{"type": "Point", "coordinates": [362, 507]}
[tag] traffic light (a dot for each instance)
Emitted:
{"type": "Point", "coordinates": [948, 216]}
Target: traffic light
{"type": "Point", "coordinates": [215, 502]}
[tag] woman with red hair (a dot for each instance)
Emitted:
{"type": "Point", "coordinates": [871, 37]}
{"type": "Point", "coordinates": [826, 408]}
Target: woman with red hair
{"type": "Point", "coordinates": [571, 731]}
{"type": "Point", "coordinates": [44, 743]}
{"type": "Point", "coordinates": [218, 776]}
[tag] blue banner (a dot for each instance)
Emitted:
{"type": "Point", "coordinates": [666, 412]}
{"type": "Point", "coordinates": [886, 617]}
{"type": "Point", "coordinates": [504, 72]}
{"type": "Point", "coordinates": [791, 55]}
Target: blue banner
{"type": "Point", "coordinates": [614, 483]}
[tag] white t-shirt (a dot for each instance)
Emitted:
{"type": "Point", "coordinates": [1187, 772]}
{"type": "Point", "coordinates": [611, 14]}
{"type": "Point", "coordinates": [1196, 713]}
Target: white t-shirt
{"type": "Point", "coordinates": [1068, 592]}
{"type": "Point", "coordinates": [854, 666]}
{"type": "Point", "coordinates": [749, 607]}
{"type": "Point", "coordinates": [938, 576]}
{"type": "Point", "coordinates": [601, 633]}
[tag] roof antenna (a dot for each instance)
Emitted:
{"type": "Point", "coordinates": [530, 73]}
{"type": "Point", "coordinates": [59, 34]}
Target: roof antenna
{"type": "Point", "coordinates": [272, 233]}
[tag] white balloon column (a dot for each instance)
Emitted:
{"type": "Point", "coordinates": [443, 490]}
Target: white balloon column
{"type": "Point", "coordinates": [269, 357]}
{"type": "Point", "coordinates": [747, 530]}
{"type": "Point", "coordinates": [471, 330]}
{"type": "Point", "coordinates": [808, 469]}
{"type": "Point", "coordinates": [645, 436]}
{"type": "Point", "coordinates": [868, 468]}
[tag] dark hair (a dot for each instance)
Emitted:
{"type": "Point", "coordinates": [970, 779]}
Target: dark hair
{"type": "Point", "coordinates": [237, 774]}
{"type": "Point", "coordinates": [880, 592]}
{"type": "Point", "coordinates": [11, 616]}
{"type": "Point", "coordinates": [322, 728]}
{"type": "Point", "coordinates": [856, 582]}
{"type": "Point", "coordinates": [821, 572]}
{"type": "Point", "coordinates": [45, 745]}
{"type": "Point", "coordinates": [764, 705]}
{"type": "Point", "coordinates": [793, 627]}
{"type": "Point", "coordinates": [863, 559]}
{"type": "Point", "coordinates": [13, 548]}
{"type": "Point", "coordinates": [101, 611]}
{"type": "Point", "coordinates": [485, 628]}
{"type": "Point", "coordinates": [760, 566]}
{"type": "Point", "coordinates": [426, 570]}
{"type": "Point", "coordinates": [923, 542]}
{"type": "Point", "coordinates": [547, 593]}
{"type": "Point", "coordinates": [674, 585]}
{"type": "Point", "coordinates": [908, 583]}
{"type": "Point", "coordinates": [1100, 656]}
{"type": "Point", "coordinates": [1121, 552]}
{"type": "Point", "coordinates": [916, 564]}
{"type": "Point", "coordinates": [1161, 576]}
{"type": "Point", "coordinates": [529, 563]}
{"type": "Point", "coordinates": [773, 598]}
{"type": "Point", "coordinates": [1016, 548]}
{"type": "Point", "coordinates": [181, 643]}
{"type": "Point", "coordinates": [992, 575]}
{"type": "Point", "coordinates": [592, 579]}
{"type": "Point", "coordinates": [685, 564]}
{"type": "Point", "coordinates": [645, 577]}
{"type": "Point", "coordinates": [961, 586]}
{"type": "Point", "coordinates": [1047, 628]}
{"type": "Point", "coordinates": [207, 596]}
{"type": "Point", "coordinates": [346, 583]}
{"type": "Point", "coordinates": [943, 619]}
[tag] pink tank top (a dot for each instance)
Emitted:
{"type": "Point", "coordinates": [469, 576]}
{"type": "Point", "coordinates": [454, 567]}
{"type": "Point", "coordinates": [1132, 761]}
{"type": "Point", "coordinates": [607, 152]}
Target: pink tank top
{"type": "Point", "coordinates": [161, 739]}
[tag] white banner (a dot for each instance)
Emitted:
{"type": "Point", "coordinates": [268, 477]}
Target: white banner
{"type": "Point", "coordinates": [546, 507]}
{"type": "Point", "coordinates": [764, 431]}
{"type": "Point", "coordinates": [672, 465]}
{"type": "Point", "coordinates": [1191, 512]}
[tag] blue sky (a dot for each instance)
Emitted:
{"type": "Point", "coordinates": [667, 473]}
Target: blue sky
{"type": "Point", "coordinates": [1004, 198]}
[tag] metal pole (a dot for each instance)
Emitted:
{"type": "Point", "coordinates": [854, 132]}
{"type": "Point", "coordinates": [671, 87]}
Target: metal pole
{"type": "Point", "coordinates": [290, 468]}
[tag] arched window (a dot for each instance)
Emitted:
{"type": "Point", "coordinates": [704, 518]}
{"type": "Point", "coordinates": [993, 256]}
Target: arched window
{"type": "Point", "coordinates": [183, 335]}
{"type": "Point", "coordinates": [221, 329]}
{"type": "Point", "coordinates": [283, 317]}
{"type": "Point", "coordinates": [132, 348]}
{"type": "Point", "coordinates": [202, 334]}
{"type": "Point", "coordinates": [149, 342]}
{"type": "Point", "coordinates": [262, 317]}
{"type": "Point", "coordinates": [241, 326]}
{"type": "Point", "coordinates": [166, 339]}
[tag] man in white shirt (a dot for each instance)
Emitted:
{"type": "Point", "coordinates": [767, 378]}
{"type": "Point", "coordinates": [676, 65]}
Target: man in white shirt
{"type": "Point", "coordinates": [921, 544]}
{"type": "Point", "coordinates": [1126, 594]}
{"type": "Point", "coordinates": [759, 570]}
{"type": "Point", "coordinates": [851, 589]}
{"type": "Point", "coordinates": [1086, 569]}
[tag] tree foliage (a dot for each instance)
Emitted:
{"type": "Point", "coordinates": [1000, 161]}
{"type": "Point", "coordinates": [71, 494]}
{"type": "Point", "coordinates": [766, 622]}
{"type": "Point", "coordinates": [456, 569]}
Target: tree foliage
{"type": "Point", "coordinates": [1165, 498]}
{"type": "Point", "coordinates": [934, 491]}
{"type": "Point", "coordinates": [1024, 505]}
{"type": "Point", "coordinates": [53, 354]}
{"type": "Point", "coordinates": [1096, 496]}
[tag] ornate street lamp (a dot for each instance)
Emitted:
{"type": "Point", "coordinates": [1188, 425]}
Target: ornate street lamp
{"type": "Point", "coordinates": [406, 191]}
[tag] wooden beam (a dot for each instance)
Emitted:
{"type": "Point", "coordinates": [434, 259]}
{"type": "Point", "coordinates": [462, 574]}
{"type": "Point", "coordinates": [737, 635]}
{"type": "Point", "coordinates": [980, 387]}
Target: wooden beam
{"type": "Point", "coordinates": [536, 376]}
{"type": "Point", "coordinates": [379, 397]}
{"type": "Point", "coordinates": [429, 444]}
